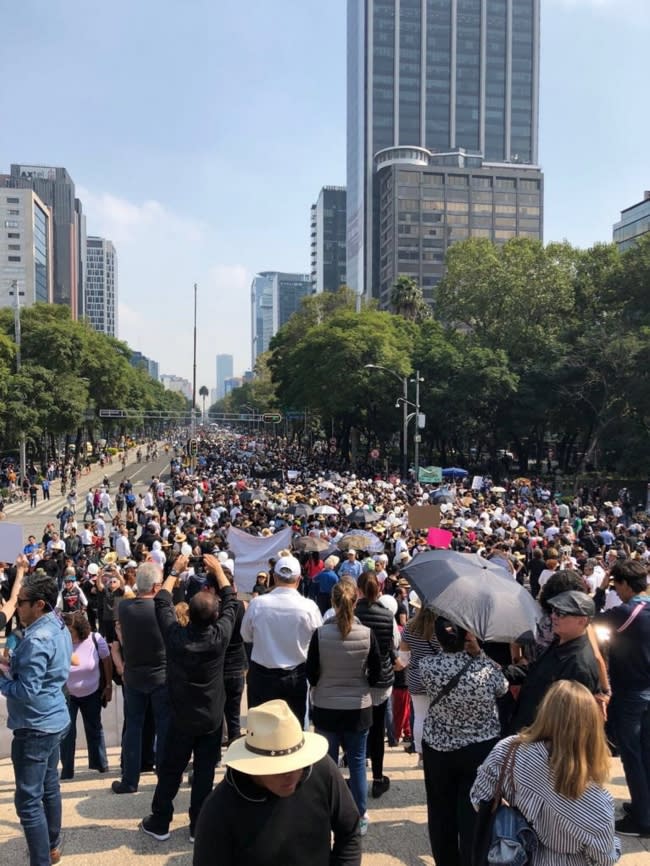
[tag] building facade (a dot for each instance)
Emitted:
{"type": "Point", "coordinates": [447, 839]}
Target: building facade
{"type": "Point", "coordinates": [56, 189]}
{"type": "Point", "coordinates": [101, 286]}
{"type": "Point", "coordinates": [225, 367]}
{"type": "Point", "coordinates": [178, 384]}
{"type": "Point", "coordinates": [26, 248]}
{"type": "Point", "coordinates": [275, 297]}
{"type": "Point", "coordinates": [633, 224]}
{"type": "Point", "coordinates": [423, 209]}
{"type": "Point", "coordinates": [328, 230]}
{"type": "Point", "coordinates": [430, 78]}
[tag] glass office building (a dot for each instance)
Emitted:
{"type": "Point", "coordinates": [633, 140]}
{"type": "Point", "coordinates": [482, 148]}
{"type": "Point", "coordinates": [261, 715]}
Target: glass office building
{"type": "Point", "coordinates": [634, 223]}
{"type": "Point", "coordinates": [101, 285]}
{"type": "Point", "coordinates": [434, 77]}
{"type": "Point", "coordinates": [275, 297]}
{"type": "Point", "coordinates": [328, 227]}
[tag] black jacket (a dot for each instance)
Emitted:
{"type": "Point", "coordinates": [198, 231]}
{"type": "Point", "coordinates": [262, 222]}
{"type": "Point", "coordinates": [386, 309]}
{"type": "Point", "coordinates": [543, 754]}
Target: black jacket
{"type": "Point", "coordinates": [242, 824]}
{"type": "Point", "coordinates": [195, 660]}
{"type": "Point", "coordinates": [574, 660]}
{"type": "Point", "coordinates": [380, 622]}
{"type": "Point", "coordinates": [629, 650]}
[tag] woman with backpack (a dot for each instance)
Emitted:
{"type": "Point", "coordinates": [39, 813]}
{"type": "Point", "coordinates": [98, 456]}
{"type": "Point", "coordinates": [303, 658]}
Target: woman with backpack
{"type": "Point", "coordinates": [559, 766]}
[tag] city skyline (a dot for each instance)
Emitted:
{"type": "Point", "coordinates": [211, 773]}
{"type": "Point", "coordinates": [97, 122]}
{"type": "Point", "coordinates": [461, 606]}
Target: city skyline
{"type": "Point", "coordinates": [196, 193]}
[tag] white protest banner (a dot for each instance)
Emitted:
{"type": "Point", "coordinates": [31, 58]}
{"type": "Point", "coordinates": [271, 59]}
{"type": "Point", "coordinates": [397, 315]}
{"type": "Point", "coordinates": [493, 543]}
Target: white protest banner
{"type": "Point", "coordinates": [253, 553]}
{"type": "Point", "coordinates": [477, 482]}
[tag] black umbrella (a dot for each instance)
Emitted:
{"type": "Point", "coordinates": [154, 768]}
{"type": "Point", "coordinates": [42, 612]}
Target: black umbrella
{"type": "Point", "coordinates": [248, 495]}
{"type": "Point", "coordinates": [362, 515]}
{"type": "Point", "coordinates": [474, 593]}
{"type": "Point", "coordinates": [440, 497]}
{"type": "Point", "coordinates": [300, 510]}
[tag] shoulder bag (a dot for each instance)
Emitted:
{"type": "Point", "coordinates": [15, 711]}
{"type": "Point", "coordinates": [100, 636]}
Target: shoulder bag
{"type": "Point", "coordinates": [503, 837]}
{"type": "Point", "coordinates": [453, 682]}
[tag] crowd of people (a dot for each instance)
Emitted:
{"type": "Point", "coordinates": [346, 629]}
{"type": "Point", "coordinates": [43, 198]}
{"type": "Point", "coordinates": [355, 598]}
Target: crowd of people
{"type": "Point", "coordinates": [146, 593]}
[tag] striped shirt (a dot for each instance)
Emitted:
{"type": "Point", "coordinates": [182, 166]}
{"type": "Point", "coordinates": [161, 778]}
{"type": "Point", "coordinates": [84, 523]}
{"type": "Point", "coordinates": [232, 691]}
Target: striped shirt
{"type": "Point", "coordinates": [419, 648]}
{"type": "Point", "coordinates": [570, 832]}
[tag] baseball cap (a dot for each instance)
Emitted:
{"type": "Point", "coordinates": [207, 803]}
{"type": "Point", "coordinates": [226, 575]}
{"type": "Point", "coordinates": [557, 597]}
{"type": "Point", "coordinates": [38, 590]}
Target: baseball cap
{"type": "Point", "coordinates": [573, 603]}
{"type": "Point", "coordinates": [287, 567]}
{"type": "Point", "coordinates": [93, 568]}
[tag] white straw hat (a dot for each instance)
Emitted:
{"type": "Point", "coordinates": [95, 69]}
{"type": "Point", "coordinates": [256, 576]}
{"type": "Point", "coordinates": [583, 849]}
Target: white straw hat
{"type": "Point", "coordinates": [274, 743]}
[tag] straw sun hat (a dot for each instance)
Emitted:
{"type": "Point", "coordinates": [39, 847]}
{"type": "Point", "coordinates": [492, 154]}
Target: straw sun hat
{"type": "Point", "coordinates": [274, 743]}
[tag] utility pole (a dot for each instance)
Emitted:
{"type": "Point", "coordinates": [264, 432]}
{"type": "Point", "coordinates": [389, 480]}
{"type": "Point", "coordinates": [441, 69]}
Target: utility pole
{"type": "Point", "coordinates": [18, 335]}
{"type": "Point", "coordinates": [416, 437]}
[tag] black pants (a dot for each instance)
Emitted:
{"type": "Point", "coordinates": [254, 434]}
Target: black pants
{"type": "Point", "coordinates": [234, 686]}
{"type": "Point", "coordinates": [448, 777]}
{"type": "Point", "coordinates": [375, 746]}
{"type": "Point", "coordinates": [180, 746]}
{"type": "Point", "coordinates": [270, 684]}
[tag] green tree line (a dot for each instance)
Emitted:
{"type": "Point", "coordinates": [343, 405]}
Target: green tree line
{"type": "Point", "coordinates": [67, 373]}
{"type": "Point", "coordinates": [529, 348]}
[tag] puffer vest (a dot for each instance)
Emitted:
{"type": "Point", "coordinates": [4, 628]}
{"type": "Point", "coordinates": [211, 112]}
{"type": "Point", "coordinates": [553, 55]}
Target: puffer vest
{"type": "Point", "coordinates": [380, 621]}
{"type": "Point", "coordinates": [343, 681]}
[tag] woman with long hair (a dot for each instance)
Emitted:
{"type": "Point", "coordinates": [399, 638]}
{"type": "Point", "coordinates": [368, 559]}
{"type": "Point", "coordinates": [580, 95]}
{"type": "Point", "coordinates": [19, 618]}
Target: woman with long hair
{"type": "Point", "coordinates": [418, 642]}
{"type": "Point", "coordinates": [342, 663]}
{"type": "Point", "coordinates": [86, 694]}
{"type": "Point", "coordinates": [559, 768]}
{"type": "Point", "coordinates": [381, 622]}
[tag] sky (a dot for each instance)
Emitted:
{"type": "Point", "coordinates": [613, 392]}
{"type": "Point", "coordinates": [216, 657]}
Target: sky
{"type": "Point", "coordinates": [199, 132]}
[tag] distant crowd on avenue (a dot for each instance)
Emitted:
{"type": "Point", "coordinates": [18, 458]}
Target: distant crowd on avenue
{"type": "Point", "coordinates": [155, 588]}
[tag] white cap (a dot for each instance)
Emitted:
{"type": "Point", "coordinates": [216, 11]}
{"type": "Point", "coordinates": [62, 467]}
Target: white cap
{"type": "Point", "coordinates": [287, 567]}
{"type": "Point", "coordinates": [93, 568]}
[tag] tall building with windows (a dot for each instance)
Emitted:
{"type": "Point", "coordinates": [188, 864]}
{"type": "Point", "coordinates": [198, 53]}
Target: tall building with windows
{"type": "Point", "coordinates": [275, 297]}
{"type": "Point", "coordinates": [633, 224]}
{"type": "Point", "coordinates": [25, 248]}
{"type": "Point", "coordinates": [101, 285]}
{"type": "Point", "coordinates": [328, 228]}
{"type": "Point", "coordinates": [225, 366]}
{"type": "Point", "coordinates": [56, 189]}
{"type": "Point", "coordinates": [436, 85]}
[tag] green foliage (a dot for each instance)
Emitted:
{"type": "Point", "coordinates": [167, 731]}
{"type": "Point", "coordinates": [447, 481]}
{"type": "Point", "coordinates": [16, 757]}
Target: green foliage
{"type": "Point", "coordinates": [68, 372]}
{"type": "Point", "coordinates": [532, 347]}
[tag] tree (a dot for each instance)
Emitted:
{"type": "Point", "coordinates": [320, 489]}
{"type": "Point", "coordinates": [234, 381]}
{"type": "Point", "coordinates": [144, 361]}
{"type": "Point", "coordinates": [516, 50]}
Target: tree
{"type": "Point", "coordinates": [203, 393]}
{"type": "Point", "coordinates": [407, 300]}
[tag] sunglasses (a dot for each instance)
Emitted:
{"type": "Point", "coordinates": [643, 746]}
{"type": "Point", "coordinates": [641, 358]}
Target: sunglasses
{"type": "Point", "coordinates": [20, 601]}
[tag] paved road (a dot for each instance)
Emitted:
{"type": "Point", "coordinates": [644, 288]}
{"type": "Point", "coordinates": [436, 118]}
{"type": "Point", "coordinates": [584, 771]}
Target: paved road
{"type": "Point", "coordinates": [33, 520]}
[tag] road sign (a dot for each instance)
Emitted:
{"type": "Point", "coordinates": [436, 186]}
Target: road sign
{"type": "Point", "coordinates": [194, 447]}
{"type": "Point", "coordinates": [272, 418]}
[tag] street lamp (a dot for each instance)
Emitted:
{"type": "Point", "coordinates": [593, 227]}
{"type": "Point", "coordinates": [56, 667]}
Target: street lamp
{"type": "Point", "coordinates": [405, 385]}
{"type": "Point", "coordinates": [17, 295]}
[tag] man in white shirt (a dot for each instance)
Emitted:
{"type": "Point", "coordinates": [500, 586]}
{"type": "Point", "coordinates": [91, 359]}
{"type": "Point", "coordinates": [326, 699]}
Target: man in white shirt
{"type": "Point", "coordinates": [123, 545]}
{"type": "Point", "coordinates": [280, 624]}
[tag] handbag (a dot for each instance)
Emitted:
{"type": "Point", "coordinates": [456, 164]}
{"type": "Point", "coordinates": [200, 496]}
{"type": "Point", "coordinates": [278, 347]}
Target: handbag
{"type": "Point", "coordinates": [503, 836]}
{"type": "Point", "coordinates": [102, 674]}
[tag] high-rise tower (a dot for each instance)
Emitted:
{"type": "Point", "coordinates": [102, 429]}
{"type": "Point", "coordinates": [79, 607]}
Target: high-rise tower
{"type": "Point", "coordinates": [437, 82]}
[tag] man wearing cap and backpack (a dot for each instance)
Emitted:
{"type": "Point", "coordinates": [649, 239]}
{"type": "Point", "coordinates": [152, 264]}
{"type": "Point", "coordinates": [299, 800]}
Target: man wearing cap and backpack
{"type": "Point", "coordinates": [283, 801]}
{"type": "Point", "coordinates": [280, 625]}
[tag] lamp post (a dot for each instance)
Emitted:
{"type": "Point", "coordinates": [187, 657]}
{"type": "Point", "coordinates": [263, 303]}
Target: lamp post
{"type": "Point", "coordinates": [416, 435]}
{"type": "Point", "coordinates": [405, 386]}
{"type": "Point", "coordinates": [17, 331]}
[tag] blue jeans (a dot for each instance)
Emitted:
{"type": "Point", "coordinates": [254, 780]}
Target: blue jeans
{"type": "Point", "coordinates": [629, 713]}
{"type": "Point", "coordinates": [91, 713]}
{"type": "Point", "coordinates": [354, 745]}
{"type": "Point", "coordinates": [135, 708]}
{"type": "Point", "coordinates": [35, 757]}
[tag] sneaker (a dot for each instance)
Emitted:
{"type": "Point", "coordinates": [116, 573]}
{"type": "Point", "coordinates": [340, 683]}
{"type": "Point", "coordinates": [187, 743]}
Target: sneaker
{"type": "Point", "coordinates": [420, 765]}
{"type": "Point", "coordinates": [191, 837]}
{"type": "Point", "coordinates": [152, 827]}
{"type": "Point", "coordinates": [363, 825]}
{"type": "Point", "coordinates": [627, 807]}
{"type": "Point", "coordinates": [627, 826]}
{"type": "Point", "coordinates": [119, 787]}
{"type": "Point", "coordinates": [380, 786]}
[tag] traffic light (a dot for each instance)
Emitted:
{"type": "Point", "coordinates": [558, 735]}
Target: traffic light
{"type": "Point", "coordinates": [272, 418]}
{"type": "Point", "coordinates": [194, 447]}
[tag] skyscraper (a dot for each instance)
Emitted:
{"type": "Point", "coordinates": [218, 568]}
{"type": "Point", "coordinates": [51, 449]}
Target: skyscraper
{"type": "Point", "coordinates": [225, 365]}
{"type": "Point", "coordinates": [56, 189]}
{"type": "Point", "coordinates": [101, 285]}
{"type": "Point", "coordinates": [275, 297]}
{"type": "Point", "coordinates": [451, 83]}
{"type": "Point", "coordinates": [25, 247]}
{"type": "Point", "coordinates": [328, 228]}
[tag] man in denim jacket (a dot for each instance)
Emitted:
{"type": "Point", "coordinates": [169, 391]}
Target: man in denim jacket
{"type": "Point", "coordinates": [38, 715]}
